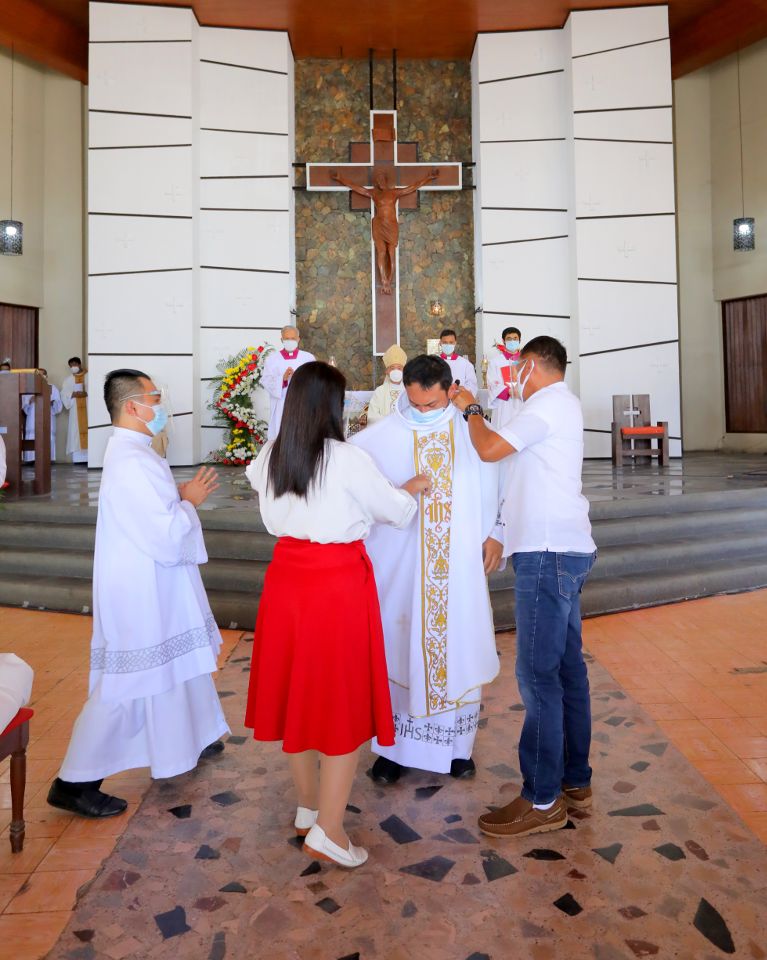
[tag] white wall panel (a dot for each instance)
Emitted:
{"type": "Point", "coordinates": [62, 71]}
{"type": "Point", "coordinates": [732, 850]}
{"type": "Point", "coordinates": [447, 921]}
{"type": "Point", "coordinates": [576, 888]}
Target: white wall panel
{"type": "Point", "coordinates": [123, 21]}
{"type": "Point", "coordinates": [516, 54]}
{"type": "Point", "coordinates": [143, 312]}
{"type": "Point", "coordinates": [128, 130]}
{"type": "Point", "coordinates": [244, 240]}
{"type": "Point", "coordinates": [181, 441]}
{"type": "Point", "coordinates": [525, 174]}
{"type": "Point", "coordinates": [263, 49]}
{"type": "Point", "coordinates": [500, 225]}
{"type": "Point", "coordinates": [634, 77]}
{"type": "Point", "coordinates": [626, 125]}
{"type": "Point", "coordinates": [215, 344]}
{"type": "Point", "coordinates": [627, 248]}
{"type": "Point", "coordinates": [594, 30]}
{"type": "Point", "coordinates": [240, 298]}
{"type": "Point", "coordinates": [237, 98]}
{"type": "Point", "coordinates": [243, 154]}
{"type": "Point", "coordinates": [614, 315]}
{"type": "Point", "coordinates": [144, 180]}
{"type": "Point", "coordinates": [143, 78]}
{"type": "Point", "coordinates": [527, 277]}
{"type": "Point", "coordinates": [122, 244]}
{"type": "Point", "coordinates": [623, 178]}
{"type": "Point", "coordinates": [267, 193]}
{"type": "Point", "coordinates": [527, 108]}
{"type": "Point", "coordinates": [174, 373]}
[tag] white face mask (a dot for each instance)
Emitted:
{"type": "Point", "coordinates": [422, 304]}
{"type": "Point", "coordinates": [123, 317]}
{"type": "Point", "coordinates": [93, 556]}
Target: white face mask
{"type": "Point", "coordinates": [289, 345]}
{"type": "Point", "coordinates": [395, 376]}
{"type": "Point", "coordinates": [519, 385]}
{"type": "Point", "coordinates": [449, 348]}
{"type": "Point", "coordinates": [74, 369]}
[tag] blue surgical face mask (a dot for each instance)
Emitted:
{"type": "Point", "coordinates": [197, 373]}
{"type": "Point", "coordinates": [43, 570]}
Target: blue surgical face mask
{"type": "Point", "coordinates": [512, 346]}
{"type": "Point", "coordinates": [158, 421]}
{"type": "Point", "coordinates": [426, 416]}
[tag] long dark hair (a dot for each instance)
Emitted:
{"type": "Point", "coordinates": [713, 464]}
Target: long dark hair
{"type": "Point", "coordinates": [313, 414]}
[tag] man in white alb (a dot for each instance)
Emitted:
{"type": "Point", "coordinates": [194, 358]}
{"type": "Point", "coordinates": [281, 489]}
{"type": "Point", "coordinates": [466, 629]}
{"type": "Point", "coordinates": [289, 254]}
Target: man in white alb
{"type": "Point", "coordinates": [28, 406]}
{"type": "Point", "coordinates": [386, 396]}
{"type": "Point", "coordinates": [74, 396]}
{"type": "Point", "coordinates": [504, 358]}
{"type": "Point", "coordinates": [435, 604]}
{"type": "Point", "coordinates": [279, 367]}
{"type": "Point", "coordinates": [461, 369]}
{"type": "Point", "coordinates": [152, 702]}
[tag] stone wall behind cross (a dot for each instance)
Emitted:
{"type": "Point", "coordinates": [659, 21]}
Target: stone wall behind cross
{"type": "Point", "coordinates": [333, 286]}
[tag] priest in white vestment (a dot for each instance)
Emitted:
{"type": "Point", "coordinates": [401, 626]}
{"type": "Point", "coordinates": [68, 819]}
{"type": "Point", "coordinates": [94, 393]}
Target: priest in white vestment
{"type": "Point", "coordinates": [74, 394]}
{"type": "Point", "coordinates": [28, 406]}
{"type": "Point", "coordinates": [386, 396]}
{"type": "Point", "coordinates": [504, 358]}
{"type": "Point", "coordinates": [279, 367]}
{"type": "Point", "coordinates": [432, 578]}
{"type": "Point", "coordinates": [462, 370]}
{"type": "Point", "coordinates": [152, 702]}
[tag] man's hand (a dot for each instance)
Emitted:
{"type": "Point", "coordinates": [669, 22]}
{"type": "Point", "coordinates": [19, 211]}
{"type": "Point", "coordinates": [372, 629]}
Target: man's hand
{"type": "Point", "coordinates": [288, 374]}
{"type": "Point", "coordinates": [461, 397]}
{"type": "Point", "coordinates": [492, 555]}
{"type": "Point", "coordinates": [197, 490]}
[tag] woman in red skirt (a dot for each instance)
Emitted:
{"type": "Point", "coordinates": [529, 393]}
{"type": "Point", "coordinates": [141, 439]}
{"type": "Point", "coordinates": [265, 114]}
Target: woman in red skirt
{"type": "Point", "coordinates": [318, 679]}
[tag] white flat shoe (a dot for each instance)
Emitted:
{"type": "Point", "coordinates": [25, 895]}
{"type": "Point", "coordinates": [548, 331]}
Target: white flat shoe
{"type": "Point", "coordinates": [305, 820]}
{"type": "Point", "coordinates": [319, 846]}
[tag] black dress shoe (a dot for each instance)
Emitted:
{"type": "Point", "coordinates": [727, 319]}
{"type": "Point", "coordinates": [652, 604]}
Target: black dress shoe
{"type": "Point", "coordinates": [463, 769]}
{"type": "Point", "coordinates": [386, 771]}
{"type": "Point", "coordinates": [88, 802]}
{"type": "Point", "coordinates": [212, 750]}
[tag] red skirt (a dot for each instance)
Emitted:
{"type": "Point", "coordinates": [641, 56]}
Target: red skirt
{"type": "Point", "coordinates": [318, 680]}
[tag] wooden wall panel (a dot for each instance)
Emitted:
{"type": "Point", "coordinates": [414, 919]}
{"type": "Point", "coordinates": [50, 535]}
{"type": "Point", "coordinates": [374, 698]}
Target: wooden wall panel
{"type": "Point", "coordinates": [18, 335]}
{"type": "Point", "coordinates": [745, 364]}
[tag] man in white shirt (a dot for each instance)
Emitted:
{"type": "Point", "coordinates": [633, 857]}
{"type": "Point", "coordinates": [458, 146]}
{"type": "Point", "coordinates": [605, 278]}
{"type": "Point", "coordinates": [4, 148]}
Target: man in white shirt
{"type": "Point", "coordinates": [74, 396]}
{"type": "Point", "coordinates": [152, 701]}
{"type": "Point", "coordinates": [462, 370]}
{"type": "Point", "coordinates": [548, 535]}
{"type": "Point", "coordinates": [431, 576]}
{"type": "Point", "coordinates": [279, 367]}
{"type": "Point", "coordinates": [386, 396]}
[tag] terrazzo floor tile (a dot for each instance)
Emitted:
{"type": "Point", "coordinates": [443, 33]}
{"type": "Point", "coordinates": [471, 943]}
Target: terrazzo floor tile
{"type": "Point", "coordinates": [660, 866]}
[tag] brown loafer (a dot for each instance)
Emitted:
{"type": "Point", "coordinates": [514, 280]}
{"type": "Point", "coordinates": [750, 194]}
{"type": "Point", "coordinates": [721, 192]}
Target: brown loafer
{"type": "Point", "coordinates": [577, 798]}
{"type": "Point", "coordinates": [520, 818]}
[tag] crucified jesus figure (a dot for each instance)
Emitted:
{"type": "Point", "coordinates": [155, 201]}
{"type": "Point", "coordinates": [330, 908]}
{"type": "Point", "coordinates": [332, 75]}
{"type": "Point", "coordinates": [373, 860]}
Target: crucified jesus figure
{"type": "Point", "coordinates": [385, 226]}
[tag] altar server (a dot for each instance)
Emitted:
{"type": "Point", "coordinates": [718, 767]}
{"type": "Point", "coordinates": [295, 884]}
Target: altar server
{"type": "Point", "coordinates": [386, 396]}
{"type": "Point", "coordinates": [318, 677]}
{"type": "Point", "coordinates": [28, 406]}
{"type": "Point", "coordinates": [152, 701]}
{"type": "Point", "coordinates": [435, 605]}
{"type": "Point", "coordinates": [462, 370]}
{"type": "Point", "coordinates": [74, 396]}
{"type": "Point", "coordinates": [505, 401]}
{"type": "Point", "coordinates": [279, 367]}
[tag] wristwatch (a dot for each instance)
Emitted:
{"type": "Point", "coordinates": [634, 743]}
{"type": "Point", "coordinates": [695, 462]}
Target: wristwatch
{"type": "Point", "coordinates": [473, 410]}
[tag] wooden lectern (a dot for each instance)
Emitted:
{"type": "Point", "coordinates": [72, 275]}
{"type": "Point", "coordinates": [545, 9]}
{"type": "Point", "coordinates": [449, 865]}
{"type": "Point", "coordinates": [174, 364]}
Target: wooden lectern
{"type": "Point", "coordinates": [13, 386]}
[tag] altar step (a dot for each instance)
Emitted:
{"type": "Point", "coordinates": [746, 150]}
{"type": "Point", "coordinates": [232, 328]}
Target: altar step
{"type": "Point", "coordinates": [651, 551]}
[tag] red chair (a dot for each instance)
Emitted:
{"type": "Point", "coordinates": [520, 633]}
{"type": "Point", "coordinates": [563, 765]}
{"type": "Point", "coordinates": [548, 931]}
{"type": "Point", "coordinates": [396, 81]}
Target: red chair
{"type": "Point", "coordinates": [632, 431]}
{"type": "Point", "coordinates": [13, 744]}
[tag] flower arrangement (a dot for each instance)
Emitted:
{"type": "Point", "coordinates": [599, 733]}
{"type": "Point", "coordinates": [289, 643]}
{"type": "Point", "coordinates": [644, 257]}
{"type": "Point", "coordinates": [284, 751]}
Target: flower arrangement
{"type": "Point", "coordinates": [233, 406]}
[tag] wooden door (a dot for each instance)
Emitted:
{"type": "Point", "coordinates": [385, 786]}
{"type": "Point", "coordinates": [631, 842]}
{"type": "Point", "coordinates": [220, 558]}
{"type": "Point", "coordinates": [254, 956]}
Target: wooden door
{"type": "Point", "coordinates": [18, 335]}
{"type": "Point", "coordinates": [745, 364]}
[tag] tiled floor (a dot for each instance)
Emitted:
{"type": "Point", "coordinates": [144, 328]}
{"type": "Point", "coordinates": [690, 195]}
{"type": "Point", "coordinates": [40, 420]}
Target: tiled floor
{"type": "Point", "coordinates": [661, 864]}
{"type": "Point", "coordinates": [61, 853]}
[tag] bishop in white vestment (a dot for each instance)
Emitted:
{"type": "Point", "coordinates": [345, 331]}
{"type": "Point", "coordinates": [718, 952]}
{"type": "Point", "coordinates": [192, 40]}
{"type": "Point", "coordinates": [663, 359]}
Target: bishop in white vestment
{"type": "Point", "coordinates": [435, 604]}
{"type": "Point", "coordinates": [279, 367]}
{"type": "Point", "coordinates": [388, 393]}
{"type": "Point", "coordinates": [152, 702]}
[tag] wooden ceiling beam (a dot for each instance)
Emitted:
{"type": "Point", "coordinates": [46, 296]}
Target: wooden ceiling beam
{"type": "Point", "coordinates": [717, 33]}
{"type": "Point", "coordinates": [44, 37]}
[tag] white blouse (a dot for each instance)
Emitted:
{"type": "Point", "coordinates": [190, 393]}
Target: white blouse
{"type": "Point", "coordinates": [351, 496]}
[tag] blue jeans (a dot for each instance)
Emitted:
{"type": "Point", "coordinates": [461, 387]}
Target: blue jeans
{"type": "Point", "coordinates": [551, 673]}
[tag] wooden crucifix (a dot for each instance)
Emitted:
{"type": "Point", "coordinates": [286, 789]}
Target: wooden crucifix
{"type": "Point", "coordinates": [387, 173]}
